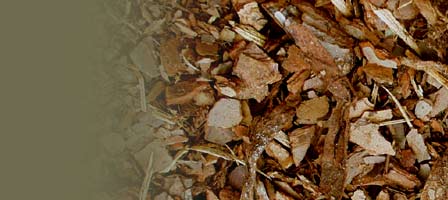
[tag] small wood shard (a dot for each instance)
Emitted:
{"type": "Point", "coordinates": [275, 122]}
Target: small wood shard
{"type": "Point", "coordinates": [362, 105]}
{"type": "Point", "coordinates": [369, 52]}
{"type": "Point", "coordinates": [250, 34]}
{"type": "Point", "coordinates": [226, 113]}
{"type": "Point", "coordinates": [310, 45]}
{"type": "Point", "coordinates": [374, 159]}
{"type": "Point", "coordinates": [367, 136]}
{"type": "Point", "coordinates": [280, 154]}
{"type": "Point", "coordinates": [310, 111]}
{"type": "Point", "coordinates": [355, 166]}
{"type": "Point", "coordinates": [300, 142]}
{"type": "Point", "coordinates": [417, 144]}
{"type": "Point", "coordinates": [377, 116]}
{"type": "Point", "coordinates": [342, 6]}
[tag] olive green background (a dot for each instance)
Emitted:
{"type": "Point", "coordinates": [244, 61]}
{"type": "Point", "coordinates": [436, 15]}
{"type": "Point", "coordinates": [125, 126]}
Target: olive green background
{"type": "Point", "coordinates": [49, 100]}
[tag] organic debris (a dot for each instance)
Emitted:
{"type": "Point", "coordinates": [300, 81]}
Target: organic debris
{"type": "Point", "coordinates": [301, 99]}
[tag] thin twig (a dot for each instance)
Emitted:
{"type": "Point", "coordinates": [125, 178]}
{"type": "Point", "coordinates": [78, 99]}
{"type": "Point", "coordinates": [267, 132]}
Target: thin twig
{"type": "Point", "coordinates": [402, 110]}
{"type": "Point", "coordinates": [416, 88]}
{"type": "Point", "coordinates": [141, 87]}
{"type": "Point", "coordinates": [147, 179]}
{"type": "Point", "coordinates": [392, 122]}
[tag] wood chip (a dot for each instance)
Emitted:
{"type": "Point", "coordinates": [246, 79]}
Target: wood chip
{"type": "Point", "coordinates": [226, 113]}
{"type": "Point", "coordinates": [427, 10]}
{"type": "Point", "coordinates": [377, 116]}
{"type": "Point", "coordinates": [380, 74]}
{"type": "Point", "coordinates": [422, 109]}
{"type": "Point", "coordinates": [218, 135]}
{"type": "Point", "coordinates": [170, 57]}
{"type": "Point", "coordinates": [362, 105]}
{"type": "Point", "coordinates": [359, 195]}
{"type": "Point", "coordinates": [296, 60]}
{"type": "Point", "coordinates": [164, 159]}
{"type": "Point", "coordinates": [310, 111]}
{"type": "Point", "coordinates": [436, 185]}
{"type": "Point", "coordinates": [300, 142]}
{"type": "Point", "coordinates": [257, 70]}
{"type": "Point", "coordinates": [402, 179]}
{"type": "Point", "coordinates": [280, 154]}
{"type": "Point", "coordinates": [387, 17]}
{"type": "Point", "coordinates": [367, 136]}
{"type": "Point", "coordinates": [417, 144]}
{"type": "Point", "coordinates": [250, 14]}
{"type": "Point", "coordinates": [144, 58]}
{"type": "Point", "coordinates": [440, 103]}
{"type": "Point", "coordinates": [383, 195]}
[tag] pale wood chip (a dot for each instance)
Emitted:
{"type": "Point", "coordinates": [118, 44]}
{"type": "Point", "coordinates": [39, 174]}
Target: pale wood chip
{"type": "Point", "coordinates": [343, 7]}
{"type": "Point", "coordinates": [368, 51]}
{"type": "Point", "coordinates": [226, 113]}
{"type": "Point", "coordinates": [383, 195]}
{"type": "Point", "coordinates": [440, 102]}
{"type": "Point", "coordinates": [422, 109]}
{"type": "Point", "coordinates": [417, 144]}
{"type": "Point", "coordinates": [359, 195]}
{"type": "Point", "coordinates": [367, 136]}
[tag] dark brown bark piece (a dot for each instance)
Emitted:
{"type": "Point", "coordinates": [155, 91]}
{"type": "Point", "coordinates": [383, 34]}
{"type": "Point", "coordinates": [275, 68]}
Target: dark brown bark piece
{"type": "Point", "coordinates": [436, 187]}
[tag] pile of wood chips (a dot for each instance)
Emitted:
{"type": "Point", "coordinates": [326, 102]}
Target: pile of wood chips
{"type": "Point", "coordinates": [299, 99]}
